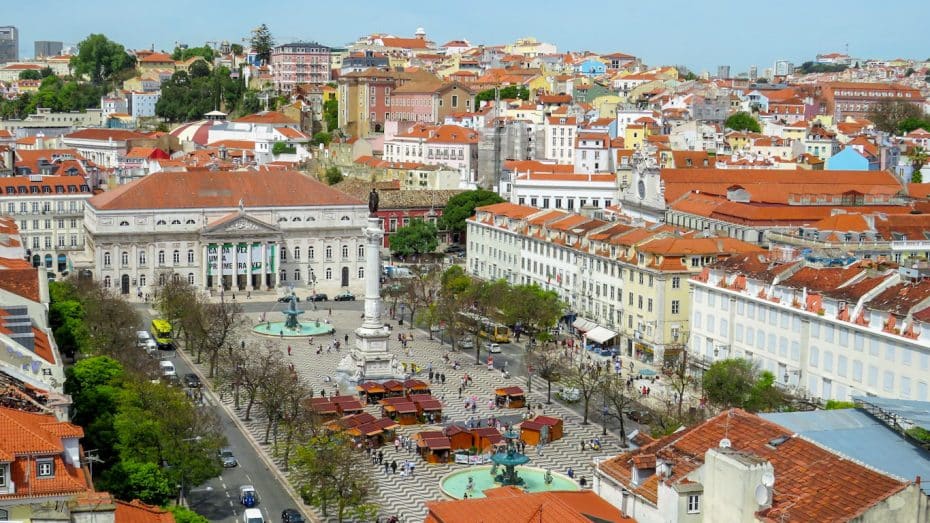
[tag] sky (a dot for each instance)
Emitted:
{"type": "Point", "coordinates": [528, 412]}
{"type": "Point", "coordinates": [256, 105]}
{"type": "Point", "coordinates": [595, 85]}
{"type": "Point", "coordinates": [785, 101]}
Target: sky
{"type": "Point", "coordinates": [700, 34]}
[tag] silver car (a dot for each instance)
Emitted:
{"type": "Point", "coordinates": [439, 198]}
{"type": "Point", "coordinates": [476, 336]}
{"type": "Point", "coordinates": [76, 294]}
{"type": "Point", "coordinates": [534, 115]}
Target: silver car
{"type": "Point", "coordinates": [228, 458]}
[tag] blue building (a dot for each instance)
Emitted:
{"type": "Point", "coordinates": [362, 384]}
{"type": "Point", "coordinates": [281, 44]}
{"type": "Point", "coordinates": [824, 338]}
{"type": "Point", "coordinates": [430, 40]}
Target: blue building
{"type": "Point", "coordinates": [849, 159]}
{"type": "Point", "coordinates": [591, 67]}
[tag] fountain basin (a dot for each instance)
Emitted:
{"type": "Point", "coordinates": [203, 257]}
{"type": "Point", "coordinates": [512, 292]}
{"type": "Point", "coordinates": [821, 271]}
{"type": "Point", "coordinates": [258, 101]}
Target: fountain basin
{"type": "Point", "coordinates": [454, 484]}
{"type": "Point", "coordinates": [276, 328]}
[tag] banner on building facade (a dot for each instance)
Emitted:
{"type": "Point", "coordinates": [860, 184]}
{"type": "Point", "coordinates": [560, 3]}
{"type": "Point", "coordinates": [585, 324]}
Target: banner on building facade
{"type": "Point", "coordinates": [256, 258]}
{"type": "Point", "coordinates": [212, 259]}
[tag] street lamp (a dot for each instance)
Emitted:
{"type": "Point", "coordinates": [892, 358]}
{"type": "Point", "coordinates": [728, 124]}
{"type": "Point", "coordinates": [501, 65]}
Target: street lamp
{"type": "Point", "coordinates": [604, 412]}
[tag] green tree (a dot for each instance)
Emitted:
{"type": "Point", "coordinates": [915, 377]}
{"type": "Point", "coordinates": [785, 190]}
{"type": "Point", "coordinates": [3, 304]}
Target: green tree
{"type": "Point", "coordinates": [910, 124]}
{"type": "Point", "coordinates": [30, 74]}
{"type": "Point", "coordinates": [282, 148]}
{"type": "Point", "coordinates": [331, 114]}
{"type": "Point", "coordinates": [462, 206]}
{"type": "Point", "coordinates": [262, 42]}
{"type": "Point", "coordinates": [333, 175]}
{"type": "Point", "coordinates": [918, 157]}
{"type": "Point", "coordinates": [189, 96]}
{"type": "Point", "coordinates": [888, 115]}
{"type": "Point", "coordinates": [236, 49]}
{"type": "Point", "coordinates": [100, 59]}
{"type": "Point", "coordinates": [321, 137]}
{"type": "Point", "coordinates": [533, 308]}
{"type": "Point", "coordinates": [181, 54]}
{"type": "Point", "coordinates": [199, 69]}
{"type": "Point", "coordinates": [417, 237]}
{"type": "Point", "coordinates": [737, 382]}
{"type": "Point", "coordinates": [330, 475]}
{"type": "Point", "coordinates": [134, 480]}
{"type": "Point", "coordinates": [839, 405]}
{"type": "Point", "coordinates": [511, 92]}
{"type": "Point", "coordinates": [742, 121]}
{"type": "Point", "coordinates": [186, 515]}
{"type": "Point", "coordinates": [95, 386]}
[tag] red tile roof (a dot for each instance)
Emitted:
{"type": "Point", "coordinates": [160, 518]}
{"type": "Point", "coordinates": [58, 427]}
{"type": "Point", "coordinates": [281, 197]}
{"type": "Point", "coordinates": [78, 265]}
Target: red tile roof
{"type": "Point", "coordinates": [267, 117]}
{"type": "Point", "coordinates": [802, 493]}
{"type": "Point", "coordinates": [23, 281]}
{"type": "Point", "coordinates": [212, 189]}
{"type": "Point", "coordinates": [139, 512]}
{"type": "Point", "coordinates": [509, 504]}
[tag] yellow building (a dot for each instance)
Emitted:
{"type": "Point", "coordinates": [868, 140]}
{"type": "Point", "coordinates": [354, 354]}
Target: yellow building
{"type": "Point", "coordinates": [638, 131]}
{"type": "Point", "coordinates": [606, 105]}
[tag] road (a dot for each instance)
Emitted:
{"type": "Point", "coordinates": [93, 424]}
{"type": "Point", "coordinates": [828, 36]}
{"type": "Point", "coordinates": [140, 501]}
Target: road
{"type": "Point", "coordinates": [218, 498]}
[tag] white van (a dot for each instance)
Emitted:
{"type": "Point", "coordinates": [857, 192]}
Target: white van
{"type": "Point", "coordinates": [145, 341]}
{"type": "Point", "coordinates": [252, 515]}
{"type": "Point", "coordinates": [167, 369]}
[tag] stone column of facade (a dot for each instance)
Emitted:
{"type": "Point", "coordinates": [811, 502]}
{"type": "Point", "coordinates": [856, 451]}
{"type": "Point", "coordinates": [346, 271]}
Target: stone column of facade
{"type": "Point", "coordinates": [263, 284]}
{"type": "Point", "coordinates": [248, 265]}
{"type": "Point", "coordinates": [204, 263]}
{"type": "Point", "coordinates": [276, 265]}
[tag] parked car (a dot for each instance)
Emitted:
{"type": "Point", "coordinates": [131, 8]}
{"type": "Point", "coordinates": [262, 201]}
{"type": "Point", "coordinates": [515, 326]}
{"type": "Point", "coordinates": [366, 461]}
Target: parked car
{"type": "Point", "coordinates": [290, 515]}
{"type": "Point", "coordinates": [493, 348]}
{"type": "Point", "coordinates": [227, 458]}
{"type": "Point", "coordinates": [252, 515]}
{"type": "Point", "coordinates": [145, 341]}
{"type": "Point", "coordinates": [569, 394]}
{"type": "Point", "coordinates": [344, 296]}
{"type": "Point", "coordinates": [466, 342]}
{"type": "Point", "coordinates": [454, 248]}
{"type": "Point", "coordinates": [285, 299]}
{"type": "Point", "coordinates": [167, 369]}
{"type": "Point", "coordinates": [192, 381]}
{"type": "Point", "coordinates": [318, 297]}
{"type": "Point", "coordinates": [248, 496]}
{"type": "Point", "coordinates": [639, 416]}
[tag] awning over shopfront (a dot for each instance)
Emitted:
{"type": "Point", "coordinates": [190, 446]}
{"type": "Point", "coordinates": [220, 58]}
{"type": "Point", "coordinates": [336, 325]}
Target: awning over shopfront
{"type": "Point", "coordinates": [600, 335]}
{"type": "Point", "coordinates": [584, 325]}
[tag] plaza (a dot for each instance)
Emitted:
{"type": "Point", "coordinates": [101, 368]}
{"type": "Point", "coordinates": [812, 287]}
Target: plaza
{"type": "Point", "coordinates": [404, 496]}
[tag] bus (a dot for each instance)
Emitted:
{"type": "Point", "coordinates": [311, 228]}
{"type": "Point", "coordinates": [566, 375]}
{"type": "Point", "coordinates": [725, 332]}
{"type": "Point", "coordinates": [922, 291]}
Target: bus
{"type": "Point", "coordinates": [495, 332]}
{"type": "Point", "coordinates": [161, 331]}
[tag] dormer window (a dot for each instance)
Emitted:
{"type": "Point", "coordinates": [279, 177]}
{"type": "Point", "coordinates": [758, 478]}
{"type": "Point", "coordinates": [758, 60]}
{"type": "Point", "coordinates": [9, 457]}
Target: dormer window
{"type": "Point", "coordinates": [45, 468]}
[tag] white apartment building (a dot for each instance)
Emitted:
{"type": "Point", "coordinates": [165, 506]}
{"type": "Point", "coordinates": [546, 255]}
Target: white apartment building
{"type": "Point", "coordinates": [559, 138]}
{"type": "Point", "coordinates": [569, 191]}
{"type": "Point", "coordinates": [593, 153]}
{"type": "Point", "coordinates": [447, 145]}
{"type": "Point", "coordinates": [824, 332]}
{"type": "Point", "coordinates": [102, 146]}
{"type": "Point", "coordinates": [142, 104]}
{"type": "Point", "coordinates": [49, 211]}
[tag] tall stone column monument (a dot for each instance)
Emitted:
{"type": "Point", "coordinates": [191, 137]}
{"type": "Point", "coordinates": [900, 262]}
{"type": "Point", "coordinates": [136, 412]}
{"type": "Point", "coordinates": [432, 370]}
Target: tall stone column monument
{"type": "Point", "coordinates": [370, 358]}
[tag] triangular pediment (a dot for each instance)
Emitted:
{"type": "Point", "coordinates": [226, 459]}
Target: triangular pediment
{"type": "Point", "coordinates": [240, 222]}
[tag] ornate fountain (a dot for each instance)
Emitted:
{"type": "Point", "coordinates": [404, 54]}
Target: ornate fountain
{"type": "Point", "coordinates": [509, 458]}
{"type": "Point", "coordinates": [291, 327]}
{"type": "Point", "coordinates": [291, 314]}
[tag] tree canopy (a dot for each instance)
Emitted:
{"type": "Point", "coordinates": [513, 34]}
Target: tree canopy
{"type": "Point", "coordinates": [188, 96]}
{"type": "Point", "coordinates": [418, 237]}
{"type": "Point", "coordinates": [100, 59]}
{"type": "Point", "coordinates": [507, 93]}
{"type": "Point", "coordinates": [181, 54]}
{"type": "Point", "coordinates": [333, 175]}
{"type": "Point", "coordinates": [814, 67]}
{"type": "Point", "coordinates": [331, 114]}
{"type": "Point", "coordinates": [262, 42]}
{"type": "Point", "coordinates": [889, 115]}
{"type": "Point", "coordinates": [736, 382]}
{"type": "Point", "coordinates": [462, 206]}
{"type": "Point", "coordinates": [742, 121]}
{"type": "Point", "coordinates": [54, 93]}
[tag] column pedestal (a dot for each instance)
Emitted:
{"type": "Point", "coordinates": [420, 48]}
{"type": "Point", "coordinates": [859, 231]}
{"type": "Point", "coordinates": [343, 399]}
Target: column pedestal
{"type": "Point", "coordinates": [370, 359]}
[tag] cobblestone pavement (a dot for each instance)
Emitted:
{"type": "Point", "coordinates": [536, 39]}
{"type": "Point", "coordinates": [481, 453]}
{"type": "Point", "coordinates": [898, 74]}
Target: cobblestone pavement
{"type": "Point", "coordinates": [405, 496]}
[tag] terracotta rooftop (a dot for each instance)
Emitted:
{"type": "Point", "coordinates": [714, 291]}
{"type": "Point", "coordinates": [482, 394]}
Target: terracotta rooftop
{"type": "Point", "coordinates": [823, 278]}
{"type": "Point", "coordinates": [266, 117]}
{"type": "Point", "coordinates": [802, 493]}
{"type": "Point", "coordinates": [219, 189]}
{"type": "Point", "coordinates": [901, 298]}
{"type": "Point", "coordinates": [509, 504]}
{"type": "Point", "coordinates": [22, 281]}
{"type": "Point", "coordinates": [139, 512]}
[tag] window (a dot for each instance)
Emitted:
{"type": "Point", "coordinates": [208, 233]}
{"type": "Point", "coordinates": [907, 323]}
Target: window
{"type": "Point", "coordinates": [106, 282]}
{"type": "Point", "coordinates": [176, 257]}
{"type": "Point", "coordinates": [142, 280]}
{"type": "Point", "coordinates": [161, 257]}
{"type": "Point", "coordinates": [345, 252]}
{"type": "Point", "coordinates": [676, 306]}
{"type": "Point", "coordinates": [361, 272]}
{"type": "Point", "coordinates": [190, 256]}
{"type": "Point", "coordinates": [296, 252]}
{"type": "Point", "coordinates": [361, 251]}
{"type": "Point", "coordinates": [329, 252]}
{"type": "Point", "coordinates": [142, 259]}
{"type": "Point", "coordinates": [676, 282]}
{"type": "Point", "coordinates": [296, 274]}
{"type": "Point", "coordinates": [329, 273]}
{"type": "Point", "coordinates": [45, 468]}
{"type": "Point", "coordinates": [124, 258]}
{"type": "Point", "coordinates": [694, 504]}
{"type": "Point", "coordinates": [190, 278]}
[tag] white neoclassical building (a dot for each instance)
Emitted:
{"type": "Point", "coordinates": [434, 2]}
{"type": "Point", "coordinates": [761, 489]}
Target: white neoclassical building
{"type": "Point", "coordinates": [239, 230]}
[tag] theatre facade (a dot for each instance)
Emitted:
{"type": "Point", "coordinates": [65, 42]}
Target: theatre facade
{"type": "Point", "coordinates": [235, 231]}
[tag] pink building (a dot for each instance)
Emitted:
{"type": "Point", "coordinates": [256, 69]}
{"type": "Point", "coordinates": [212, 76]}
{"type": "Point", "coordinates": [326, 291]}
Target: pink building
{"type": "Point", "coordinates": [299, 63]}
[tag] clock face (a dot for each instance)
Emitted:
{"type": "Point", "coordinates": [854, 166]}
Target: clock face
{"type": "Point", "coordinates": [641, 188]}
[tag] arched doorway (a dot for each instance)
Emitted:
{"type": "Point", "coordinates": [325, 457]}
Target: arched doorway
{"type": "Point", "coordinates": [36, 260]}
{"type": "Point", "coordinates": [48, 261]}
{"type": "Point", "coordinates": [124, 284]}
{"type": "Point", "coordinates": [345, 276]}
{"type": "Point", "coordinates": [62, 263]}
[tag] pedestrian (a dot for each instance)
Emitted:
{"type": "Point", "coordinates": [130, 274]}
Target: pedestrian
{"type": "Point", "coordinates": [394, 466]}
{"type": "Point", "coordinates": [248, 295]}
{"type": "Point", "coordinates": [380, 456]}
{"type": "Point", "coordinates": [582, 445]}
{"type": "Point", "coordinates": [443, 378]}
{"type": "Point", "coordinates": [288, 350]}
{"type": "Point", "coordinates": [281, 334]}
{"type": "Point", "coordinates": [460, 392]}
{"type": "Point", "coordinates": [397, 444]}
{"type": "Point", "coordinates": [583, 482]}
{"type": "Point", "coordinates": [347, 340]}
{"type": "Point", "coordinates": [330, 311]}
{"type": "Point", "coordinates": [386, 467]}
{"type": "Point", "coordinates": [570, 473]}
